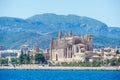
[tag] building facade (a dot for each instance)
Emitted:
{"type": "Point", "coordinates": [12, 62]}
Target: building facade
{"type": "Point", "coordinates": [70, 48]}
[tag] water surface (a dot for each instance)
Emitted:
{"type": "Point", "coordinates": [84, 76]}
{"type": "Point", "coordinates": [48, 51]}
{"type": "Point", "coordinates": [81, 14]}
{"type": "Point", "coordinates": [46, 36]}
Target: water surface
{"type": "Point", "coordinates": [58, 75]}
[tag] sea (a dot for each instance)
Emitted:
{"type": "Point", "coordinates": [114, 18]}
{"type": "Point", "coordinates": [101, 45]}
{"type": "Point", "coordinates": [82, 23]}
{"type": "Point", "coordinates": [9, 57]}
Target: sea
{"type": "Point", "coordinates": [58, 75]}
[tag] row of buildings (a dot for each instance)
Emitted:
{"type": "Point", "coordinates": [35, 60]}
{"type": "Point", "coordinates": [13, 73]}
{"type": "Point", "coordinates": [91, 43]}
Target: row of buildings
{"type": "Point", "coordinates": [67, 48]}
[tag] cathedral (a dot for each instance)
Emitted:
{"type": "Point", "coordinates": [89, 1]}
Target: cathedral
{"type": "Point", "coordinates": [69, 48]}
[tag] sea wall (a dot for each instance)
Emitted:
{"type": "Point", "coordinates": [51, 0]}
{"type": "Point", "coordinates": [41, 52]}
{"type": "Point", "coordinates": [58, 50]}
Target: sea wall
{"type": "Point", "coordinates": [38, 67]}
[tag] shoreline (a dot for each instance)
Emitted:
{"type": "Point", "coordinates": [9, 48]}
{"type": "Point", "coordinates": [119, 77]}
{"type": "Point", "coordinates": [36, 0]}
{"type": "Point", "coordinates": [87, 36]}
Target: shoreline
{"type": "Point", "coordinates": [37, 67]}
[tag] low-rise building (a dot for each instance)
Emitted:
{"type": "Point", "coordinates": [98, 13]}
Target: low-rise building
{"type": "Point", "coordinates": [10, 54]}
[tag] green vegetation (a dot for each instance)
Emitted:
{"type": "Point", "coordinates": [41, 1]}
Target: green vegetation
{"type": "Point", "coordinates": [105, 41]}
{"type": "Point", "coordinates": [97, 63]}
{"type": "Point", "coordinates": [114, 62]}
{"type": "Point", "coordinates": [25, 59]}
{"type": "Point", "coordinates": [14, 61]}
{"type": "Point", "coordinates": [39, 59]}
{"type": "Point", "coordinates": [107, 62]}
{"type": "Point", "coordinates": [85, 64]}
{"type": "Point", "coordinates": [4, 61]}
{"type": "Point", "coordinates": [30, 59]}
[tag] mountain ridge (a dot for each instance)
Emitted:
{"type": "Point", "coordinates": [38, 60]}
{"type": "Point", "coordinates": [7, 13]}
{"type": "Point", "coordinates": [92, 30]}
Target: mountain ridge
{"type": "Point", "coordinates": [38, 29]}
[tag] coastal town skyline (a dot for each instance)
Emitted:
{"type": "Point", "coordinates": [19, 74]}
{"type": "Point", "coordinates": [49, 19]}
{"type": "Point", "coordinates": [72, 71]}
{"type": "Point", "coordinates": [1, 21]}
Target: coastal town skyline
{"type": "Point", "coordinates": [66, 50]}
{"type": "Point", "coordinates": [59, 40]}
{"type": "Point", "coordinates": [106, 11]}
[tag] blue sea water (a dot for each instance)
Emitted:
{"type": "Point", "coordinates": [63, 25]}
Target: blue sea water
{"type": "Point", "coordinates": [58, 75]}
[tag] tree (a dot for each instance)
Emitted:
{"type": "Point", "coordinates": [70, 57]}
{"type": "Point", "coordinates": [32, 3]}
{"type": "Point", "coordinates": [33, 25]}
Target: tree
{"type": "Point", "coordinates": [21, 58]}
{"type": "Point", "coordinates": [117, 52]}
{"type": "Point", "coordinates": [31, 59]}
{"type": "Point", "coordinates": [27, 58]}
{"type": "Point", "coordinates": [24, 59]}
{"type": "Point", "coordinates": [113, 62]}
{"type": "Point", "coordinates": [118, 61]}
{"type": "Point", "coordinates": [14, 61]}
{"type": "Point", "coordinates": [106, 62]}
{"type": "Point", "coordinates": [4, 61]}
{"type": "Point", "coordinates": [0, 61]}
{"type": "Point", "coordinates": [39, 58]}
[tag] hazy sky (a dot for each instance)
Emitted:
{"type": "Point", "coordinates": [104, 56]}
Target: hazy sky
{"type": "Point", "coordinates": [107, 11]}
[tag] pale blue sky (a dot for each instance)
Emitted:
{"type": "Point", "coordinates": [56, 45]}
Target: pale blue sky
{"type": "Point", "coordinates": [107, 11]}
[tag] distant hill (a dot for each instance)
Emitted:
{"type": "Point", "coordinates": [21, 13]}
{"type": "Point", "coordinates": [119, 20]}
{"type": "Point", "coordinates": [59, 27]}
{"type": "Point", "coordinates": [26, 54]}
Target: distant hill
{"type": "Point", "coordinates": [39, 29]}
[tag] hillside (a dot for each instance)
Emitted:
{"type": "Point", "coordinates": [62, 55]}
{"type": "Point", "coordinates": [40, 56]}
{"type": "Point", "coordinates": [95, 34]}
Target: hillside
{"type": "Point", "coordinates": [39, 29]}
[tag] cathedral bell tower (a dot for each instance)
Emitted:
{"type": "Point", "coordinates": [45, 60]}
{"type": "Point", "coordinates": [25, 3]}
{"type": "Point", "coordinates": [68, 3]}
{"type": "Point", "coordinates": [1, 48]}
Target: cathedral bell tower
{"type": "Point", "coordinates": [90, 41]}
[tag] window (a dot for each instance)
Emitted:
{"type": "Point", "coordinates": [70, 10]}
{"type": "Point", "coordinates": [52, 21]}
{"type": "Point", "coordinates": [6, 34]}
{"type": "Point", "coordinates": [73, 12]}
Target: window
{"type": "Point", "coordinates": [77, 49]}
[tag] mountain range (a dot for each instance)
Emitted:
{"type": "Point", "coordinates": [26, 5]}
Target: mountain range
{"type": "Point", "coordinates": [39, 29]}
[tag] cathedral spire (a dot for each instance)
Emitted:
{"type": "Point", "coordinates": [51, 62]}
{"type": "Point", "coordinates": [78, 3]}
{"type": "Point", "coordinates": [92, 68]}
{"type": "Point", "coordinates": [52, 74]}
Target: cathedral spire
{"type": "Point", "coordinates": [70, 33]}
{"type": "Point", "coordinates": [60, 34]}
{"type": "Point", "coordinates": [51, 43]}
